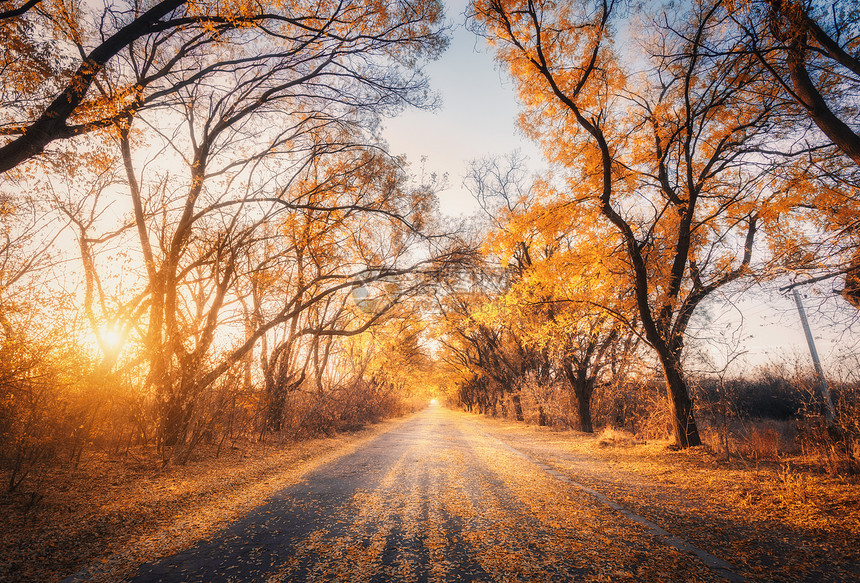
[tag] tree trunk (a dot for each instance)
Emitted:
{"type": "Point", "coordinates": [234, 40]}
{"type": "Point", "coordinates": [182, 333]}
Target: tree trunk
{"type": "Point", "coordinates": [851, 291]}
{"type": "Point", "coordinates": [175, 416]}
{"type": "Point", "coordinates": [518, 407]}
{"type": "Point", "coordinates": [583, 410]}
{"type": "Point", "coordinates": [276, 403]}
{"type": "Point", "coordinates": [684, 428]}
{"type": "Point", "coordinates": [581, 390]}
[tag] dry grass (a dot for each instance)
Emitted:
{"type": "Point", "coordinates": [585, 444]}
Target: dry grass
{"type": "Point", "coordinates": [611, 437]}
{"type": "Point", "coordinates": [753, 440]}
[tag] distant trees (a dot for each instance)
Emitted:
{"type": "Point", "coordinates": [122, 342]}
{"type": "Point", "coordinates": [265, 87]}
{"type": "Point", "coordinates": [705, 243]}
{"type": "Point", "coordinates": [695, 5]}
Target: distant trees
{"type": "Point", "coordinates": [484, 364]}
{"type": "Point", "coordinates": [569, 302]}
{"type": "Point", "coordinates": [545, 308]}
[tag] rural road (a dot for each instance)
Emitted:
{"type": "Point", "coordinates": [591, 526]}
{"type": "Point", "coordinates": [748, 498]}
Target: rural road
{"type": "Point", "coordinates": [438, 498]}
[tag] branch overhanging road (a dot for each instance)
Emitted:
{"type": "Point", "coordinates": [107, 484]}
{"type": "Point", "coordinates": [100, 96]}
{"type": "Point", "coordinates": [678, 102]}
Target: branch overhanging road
{"type": "Point", "coordinates": [440, 499]}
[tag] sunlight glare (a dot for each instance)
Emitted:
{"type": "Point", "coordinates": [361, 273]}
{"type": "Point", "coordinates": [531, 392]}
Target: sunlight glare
{"type": "Point", "coordinates": [110, 337]}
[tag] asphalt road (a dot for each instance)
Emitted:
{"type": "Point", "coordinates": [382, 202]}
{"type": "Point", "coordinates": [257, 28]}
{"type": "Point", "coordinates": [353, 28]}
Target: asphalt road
{"type": "Point", "coordinates": [438, 499]}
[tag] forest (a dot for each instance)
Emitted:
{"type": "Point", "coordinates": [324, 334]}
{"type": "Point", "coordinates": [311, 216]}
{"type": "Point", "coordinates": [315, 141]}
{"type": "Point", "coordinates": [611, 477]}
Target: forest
{"type": "Point", "coordinates": [207, 244]}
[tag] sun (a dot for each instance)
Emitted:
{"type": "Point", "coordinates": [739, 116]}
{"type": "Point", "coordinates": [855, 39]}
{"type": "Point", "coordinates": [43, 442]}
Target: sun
{"type": "Point", "coordinates": [110, 337]}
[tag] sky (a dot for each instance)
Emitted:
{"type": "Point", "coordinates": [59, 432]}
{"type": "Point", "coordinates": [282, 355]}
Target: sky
{"type": "Point", "coordinates": [478, 118]}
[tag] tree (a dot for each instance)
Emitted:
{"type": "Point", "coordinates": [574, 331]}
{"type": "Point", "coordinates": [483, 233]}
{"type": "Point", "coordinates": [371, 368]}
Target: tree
{"type": "Point", "coordinates": [485, 361]}
{"type": "Point", "coordinates": [223, 119]}
{"type": "Point", "coordinates": [564, 297]}
{"type": "Point", "coordinates": [218, 167]}
{"type": "Point", "coordinates": [809, 50]}
{"type": "Point", "coordinates": [344, 233]}
{"type": "Point", "coordinates": [266, 132]}
{"type": "Point", "coordinates": [669, 161]}
{"type": "Point", "coordinates": [571, 303]}
{"type": "Point", "coordinates": [131, 57]}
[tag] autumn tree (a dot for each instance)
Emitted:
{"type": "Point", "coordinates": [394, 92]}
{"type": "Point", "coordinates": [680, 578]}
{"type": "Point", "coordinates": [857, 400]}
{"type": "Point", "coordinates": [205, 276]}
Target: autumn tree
{"type": "Point", "coordinates": [490, 361]}
{"type": "Point", "coordinates": [72, 67]}
{"type": "Point", "coordinates": [48, 396]}
{"type": "Point", "coordinates": [484, 356]}
{"type": "Point", "coordinates": [808, 53]}
{"type": "Point", "coordinates": [221, 120]}
{"type": "Point", "coordinates": [321, 80]}
{"type": "Point", "coordinates": [391, 359]}
{"type": "Point", "coordinates": [670, 158]}
{"type": "Point", "coordinates": [809, 49]}
{"type": "Point", "coordinates": [25, 346]}
{"type": "Point", "coordinates": [563, 299]}
{"type": "Point", "coordinates": [484, 360]}
{"type": "Point", "coordinates": [570, 303]}
{"type": "Point", "coordinates": [340, 260]}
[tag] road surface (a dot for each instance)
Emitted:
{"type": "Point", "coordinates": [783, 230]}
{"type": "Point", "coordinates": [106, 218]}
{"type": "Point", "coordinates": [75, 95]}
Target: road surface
{"type": "Point", "coordinates": [439, 499]}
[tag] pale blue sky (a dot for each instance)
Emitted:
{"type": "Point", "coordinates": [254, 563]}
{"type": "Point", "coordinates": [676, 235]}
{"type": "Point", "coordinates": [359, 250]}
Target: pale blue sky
{"type": "Point", "coordinates": [477, 117]}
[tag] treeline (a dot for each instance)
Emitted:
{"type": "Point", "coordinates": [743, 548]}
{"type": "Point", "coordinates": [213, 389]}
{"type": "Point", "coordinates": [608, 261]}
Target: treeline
{"type": "Point", "coordinates": [691, 148]}
{"type": "Point", "coordinates": [203, 239]}
{"type": "Point", "coordinates": [516, 342]}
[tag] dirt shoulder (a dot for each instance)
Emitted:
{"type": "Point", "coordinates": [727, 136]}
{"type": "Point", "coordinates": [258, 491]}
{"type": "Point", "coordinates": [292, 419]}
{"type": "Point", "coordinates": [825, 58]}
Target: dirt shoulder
{"type": "Point", "coordinates": [99, 521]}
{"type": "Point", "coordinates": [771, 521]}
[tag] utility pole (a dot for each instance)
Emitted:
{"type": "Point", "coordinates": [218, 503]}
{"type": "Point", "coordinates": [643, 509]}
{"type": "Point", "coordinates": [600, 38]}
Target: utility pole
{"type": "Point", "coordinates": [823, 389]}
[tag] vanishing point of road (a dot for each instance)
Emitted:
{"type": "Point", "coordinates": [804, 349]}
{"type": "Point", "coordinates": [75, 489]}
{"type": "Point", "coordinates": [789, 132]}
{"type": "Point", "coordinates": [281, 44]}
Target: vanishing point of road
{"type": "Point", "coordinates": [437, 498]}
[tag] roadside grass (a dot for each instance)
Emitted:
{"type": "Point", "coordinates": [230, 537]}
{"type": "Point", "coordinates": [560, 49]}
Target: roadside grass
{"type": "Point", "coordinates": [112, 513]}
{"type": "Point", "coordinates": [612, 437]}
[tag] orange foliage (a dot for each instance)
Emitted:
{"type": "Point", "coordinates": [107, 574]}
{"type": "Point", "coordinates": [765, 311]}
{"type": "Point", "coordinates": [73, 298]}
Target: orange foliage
{"type": "Point", "coordinates": [677, 158]}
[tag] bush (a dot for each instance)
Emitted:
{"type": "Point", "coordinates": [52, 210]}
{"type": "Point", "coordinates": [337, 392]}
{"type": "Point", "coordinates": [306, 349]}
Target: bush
{"type": "Point", "coordinates": [638, 407]}
{"type": "Point", "coordinates": [835, 445]}
{"type": "Point", "coordinates": [761, 398]}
